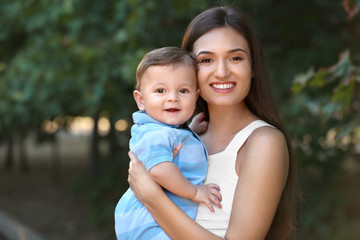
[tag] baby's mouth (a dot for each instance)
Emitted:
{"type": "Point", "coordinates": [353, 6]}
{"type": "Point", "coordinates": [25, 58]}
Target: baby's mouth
{"type": "Point", "coordinates": [172, 110]}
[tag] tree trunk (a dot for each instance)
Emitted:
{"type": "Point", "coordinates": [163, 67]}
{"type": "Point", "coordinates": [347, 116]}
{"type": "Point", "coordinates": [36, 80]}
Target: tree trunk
{"type": "Point", "coordinates": [9, 153]}
{"type": "Point", "coordinates": [114, 148]}
{"type": "Point", "coordinates": [24, 161]}
{"type": "Point", "coordinates": [94, 150]}
{"type": "Point", "coordinates": [56, 162]}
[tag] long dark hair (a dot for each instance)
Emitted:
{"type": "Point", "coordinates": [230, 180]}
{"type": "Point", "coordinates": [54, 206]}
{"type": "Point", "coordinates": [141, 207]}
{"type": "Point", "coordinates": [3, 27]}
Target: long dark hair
{"type": "Point", "coordinates": [260, 99]}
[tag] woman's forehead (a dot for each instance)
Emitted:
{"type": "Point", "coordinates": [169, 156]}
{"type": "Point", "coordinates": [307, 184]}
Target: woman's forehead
{"type": "Point", "coordinates": [220, 39]}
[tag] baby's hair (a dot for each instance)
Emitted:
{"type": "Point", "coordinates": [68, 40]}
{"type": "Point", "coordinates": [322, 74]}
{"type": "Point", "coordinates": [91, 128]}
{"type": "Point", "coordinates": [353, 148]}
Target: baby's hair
{"type": "Point", "coordinates": [166, 56]}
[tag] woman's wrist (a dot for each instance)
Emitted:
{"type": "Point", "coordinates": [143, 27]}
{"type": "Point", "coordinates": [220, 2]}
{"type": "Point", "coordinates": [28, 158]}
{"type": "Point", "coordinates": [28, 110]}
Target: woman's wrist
{"type": "Point", "coordinates": [151, 199]}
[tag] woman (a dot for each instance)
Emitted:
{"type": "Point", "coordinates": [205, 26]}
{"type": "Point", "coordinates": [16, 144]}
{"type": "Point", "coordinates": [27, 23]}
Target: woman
{"type": "Point", "coordinates": [249, 154]}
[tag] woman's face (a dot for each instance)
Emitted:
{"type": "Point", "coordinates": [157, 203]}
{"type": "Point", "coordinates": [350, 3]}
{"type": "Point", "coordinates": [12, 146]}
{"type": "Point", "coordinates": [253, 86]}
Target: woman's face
{"type": "Point", "coordinates": [224, 73]}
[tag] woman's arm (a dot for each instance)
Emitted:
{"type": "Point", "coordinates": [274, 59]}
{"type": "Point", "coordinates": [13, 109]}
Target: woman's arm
{"type": "Point", "coordinates": [262, 176]}
{"type": "Point", "coordinates": [161, 207]}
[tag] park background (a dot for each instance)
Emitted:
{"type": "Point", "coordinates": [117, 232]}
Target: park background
{"type": "Point", "coordinates": [67, 71]}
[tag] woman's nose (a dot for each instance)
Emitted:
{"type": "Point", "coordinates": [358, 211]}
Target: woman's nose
{"type": "Point", "coordinates": [222, 70]}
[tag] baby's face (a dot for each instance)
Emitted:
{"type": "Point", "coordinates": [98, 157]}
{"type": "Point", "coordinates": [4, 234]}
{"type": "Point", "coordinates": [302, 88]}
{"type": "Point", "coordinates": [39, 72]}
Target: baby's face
{"type": "Point", "coordinates": [169, 94]}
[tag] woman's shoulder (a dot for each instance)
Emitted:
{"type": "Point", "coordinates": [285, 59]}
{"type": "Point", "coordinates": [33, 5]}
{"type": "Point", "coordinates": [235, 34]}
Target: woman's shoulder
{"type": "Point", "coordinates": [266, 151]}
{"type": "Point", "coordinates": [268, 142]}
{"type": "Point", "coordinates": [267, 135]}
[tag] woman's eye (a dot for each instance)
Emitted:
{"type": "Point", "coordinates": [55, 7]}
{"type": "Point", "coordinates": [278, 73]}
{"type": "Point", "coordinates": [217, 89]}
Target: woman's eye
{"type": "Point", "coordinates": [184, 90]}
{"type": "Point", "coordinates": [160, 90]}
{"type": "Point", "coordinates": [205, 60]}
{"type": "Point", "coordinates": [236, 58]}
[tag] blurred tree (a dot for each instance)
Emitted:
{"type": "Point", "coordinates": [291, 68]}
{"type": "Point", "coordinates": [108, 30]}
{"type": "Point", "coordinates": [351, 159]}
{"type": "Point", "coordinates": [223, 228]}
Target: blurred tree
{"type": "Point", "coordinates": [61, 59]}
{"type": "Point", "coordinates": [50, 67]}
{"type": "Point", "coordinates": [326, 128]}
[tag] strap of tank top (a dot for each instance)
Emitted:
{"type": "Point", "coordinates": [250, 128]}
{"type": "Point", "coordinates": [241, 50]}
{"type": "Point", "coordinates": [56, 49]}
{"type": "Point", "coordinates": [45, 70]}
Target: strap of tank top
{"type": "Point", "coordinates": [243, 135]}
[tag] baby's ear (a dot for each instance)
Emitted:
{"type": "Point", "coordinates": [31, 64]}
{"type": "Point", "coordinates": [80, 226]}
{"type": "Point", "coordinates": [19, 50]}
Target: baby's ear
{"type": "Point", "coordinates": [139, 100]}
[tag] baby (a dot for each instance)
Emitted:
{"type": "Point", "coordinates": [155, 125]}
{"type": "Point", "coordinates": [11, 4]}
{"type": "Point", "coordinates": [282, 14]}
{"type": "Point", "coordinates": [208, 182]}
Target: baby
{"type": "Point", "coordinates": [165, 94]}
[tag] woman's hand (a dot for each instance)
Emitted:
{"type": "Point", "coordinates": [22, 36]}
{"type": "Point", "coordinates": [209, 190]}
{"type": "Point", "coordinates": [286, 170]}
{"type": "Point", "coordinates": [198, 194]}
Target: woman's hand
{"type": "Point", "coordinates": [140, 181]}
{"type": "Point", "coordinates": [198, 124]}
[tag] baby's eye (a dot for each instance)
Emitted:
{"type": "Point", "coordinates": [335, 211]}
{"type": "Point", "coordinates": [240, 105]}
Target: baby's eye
{"type": "Point", "coordinates": [184, 90]}
{"type": "Point", "coordinates": [160, 90]}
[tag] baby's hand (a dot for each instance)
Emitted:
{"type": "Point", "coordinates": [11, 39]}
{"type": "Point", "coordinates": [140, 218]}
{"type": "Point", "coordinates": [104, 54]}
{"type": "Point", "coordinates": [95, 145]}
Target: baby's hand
{"type": "Point", "coordinates": [208, 194]}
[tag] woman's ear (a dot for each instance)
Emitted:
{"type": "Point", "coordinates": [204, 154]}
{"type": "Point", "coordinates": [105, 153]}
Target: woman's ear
{"type": "Point", "coordinates": [139, 100]}
{"type": "Point", "coordinates": [197, 93]}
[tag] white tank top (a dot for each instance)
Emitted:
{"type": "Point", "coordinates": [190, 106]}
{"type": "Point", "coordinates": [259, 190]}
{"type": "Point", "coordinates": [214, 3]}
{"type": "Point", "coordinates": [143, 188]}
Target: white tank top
{"type": "Point", "coordinates": [221, 170]}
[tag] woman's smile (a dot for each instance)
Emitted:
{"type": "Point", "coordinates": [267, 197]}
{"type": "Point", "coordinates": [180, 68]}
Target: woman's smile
{"type": "Point", "coordinates": [223, 87]}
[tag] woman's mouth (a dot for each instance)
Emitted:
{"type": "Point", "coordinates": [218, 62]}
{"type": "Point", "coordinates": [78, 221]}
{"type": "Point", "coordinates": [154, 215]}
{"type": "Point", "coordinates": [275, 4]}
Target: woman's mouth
{"type": "Point", "coordinates": [223, 87]}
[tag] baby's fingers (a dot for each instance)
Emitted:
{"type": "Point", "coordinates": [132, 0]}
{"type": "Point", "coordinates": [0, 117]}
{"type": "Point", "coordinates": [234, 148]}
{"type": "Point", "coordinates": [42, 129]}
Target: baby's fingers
{"type": "Point", "coordinates": [215, 201]}
{"type": "Point", "coordinates": [215, 190]}
{"type": "Point", "coordinates": [213, 185]}
{"type": "Point", "coordinates": [209, 205]}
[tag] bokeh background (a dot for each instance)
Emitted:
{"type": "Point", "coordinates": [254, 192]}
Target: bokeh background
{"type": "Point", "coordinates": [67, 72]}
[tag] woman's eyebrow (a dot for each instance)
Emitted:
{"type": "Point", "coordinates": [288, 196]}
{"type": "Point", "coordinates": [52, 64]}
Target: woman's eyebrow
{"type": "Point", "coordinates": [236, 50]}
{"type": "Point", "coordinates": [230, 51]}
{"type": "Point", "coordinates": [204, 52]}
{"type": "Point", "coordinates": [240, 50]}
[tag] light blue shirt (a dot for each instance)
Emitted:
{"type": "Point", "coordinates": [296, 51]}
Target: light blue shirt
{"type": "Point", "coordinates": [153, 142]}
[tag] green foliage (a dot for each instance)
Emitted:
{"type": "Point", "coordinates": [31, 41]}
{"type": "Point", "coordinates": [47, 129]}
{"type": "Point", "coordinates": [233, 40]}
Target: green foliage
{"type": "Point", "coordinates": [343, 72]}
{"type": "Point", "coordinates": [60, 58]}
{"type": "Point", "coordinates": [325, 123]}
{"type": "Point", "coordinates": [339, 99]}
{"type": "Point", "coordinates": [48, 65]}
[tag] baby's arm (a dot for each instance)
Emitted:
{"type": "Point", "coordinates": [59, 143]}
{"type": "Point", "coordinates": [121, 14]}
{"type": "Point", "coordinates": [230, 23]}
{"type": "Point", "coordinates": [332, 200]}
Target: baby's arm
{"type": "Point", "coordinates": [169, 176]}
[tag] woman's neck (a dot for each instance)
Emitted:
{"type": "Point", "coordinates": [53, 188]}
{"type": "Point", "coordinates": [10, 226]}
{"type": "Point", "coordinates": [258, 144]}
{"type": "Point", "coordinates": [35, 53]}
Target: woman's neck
{"type": "Point", "coordinates": [228, 120]}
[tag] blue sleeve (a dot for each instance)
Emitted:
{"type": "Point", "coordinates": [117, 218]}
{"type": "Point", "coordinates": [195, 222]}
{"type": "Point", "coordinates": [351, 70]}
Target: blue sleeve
{"type": "Point", "coordinates": [153, 147]}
